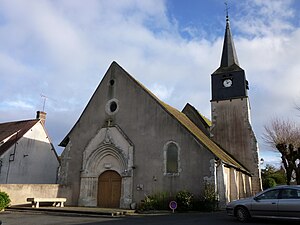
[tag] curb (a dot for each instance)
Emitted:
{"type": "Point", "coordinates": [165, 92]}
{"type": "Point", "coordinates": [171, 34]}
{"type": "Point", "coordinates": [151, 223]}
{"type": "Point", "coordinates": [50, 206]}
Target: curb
{"type": "Point", "coordinates": [65, 210]}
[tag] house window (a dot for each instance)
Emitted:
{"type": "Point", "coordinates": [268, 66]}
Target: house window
{"type": "Point", "coordinates": [171, 158]}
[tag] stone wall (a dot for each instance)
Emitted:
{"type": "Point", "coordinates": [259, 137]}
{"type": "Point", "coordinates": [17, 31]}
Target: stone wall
{"type": "Point", "coordinates": [144, 120]}
{"type": "Point", "coordinates": [19, 193]}
{"type": "Point", "coordinates": [232, 130]}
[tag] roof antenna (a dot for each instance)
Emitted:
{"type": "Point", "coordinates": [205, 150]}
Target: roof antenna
{"type": "Point", "coordinates": [44, 101]}
{"type": "Point", "coordinates": [226, 10]}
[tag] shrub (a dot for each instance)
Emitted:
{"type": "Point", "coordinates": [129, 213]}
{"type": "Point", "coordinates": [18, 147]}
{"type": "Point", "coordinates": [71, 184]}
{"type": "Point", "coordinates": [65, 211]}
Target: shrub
{"type": "Point", "coordinates": [147, 204]}
{"type": "Point", "coordinates": [184, 200]}
{"type": "Point", "coordinates": [272, 176]}
{"type": "Point", "coordinates": [210, 197]}
{"type": "Point", "coordinates": [159, 201]}
{"type": "Point", "coordinates": [208, 201]}
{"type": "Point", "coordinates": [269, 182]}
{"type": "Point", "coordinates": [4, 200]}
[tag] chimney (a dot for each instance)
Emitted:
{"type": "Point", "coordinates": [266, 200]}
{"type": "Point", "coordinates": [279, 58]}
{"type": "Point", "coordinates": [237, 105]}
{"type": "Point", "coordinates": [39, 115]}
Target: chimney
{"type": "Point", "coordinates": [41, 116]}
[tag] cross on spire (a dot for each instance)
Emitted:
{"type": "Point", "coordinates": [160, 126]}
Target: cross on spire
{"type": "Point", "coordinates": [226, 10]}
{"type": "Point", "coordinates": [229, 56]}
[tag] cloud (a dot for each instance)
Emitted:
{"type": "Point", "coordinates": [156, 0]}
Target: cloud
{"type": "Point", "coordinates": [161, 91]}
{"type": "Point", "coordinates": [63, 48]}
{"type": "Point", "coordinates": [261, 18]}
{"type": "Point", "coordinates": [17, 104]}
{"type": "Point", "coordinates": [270, 158]}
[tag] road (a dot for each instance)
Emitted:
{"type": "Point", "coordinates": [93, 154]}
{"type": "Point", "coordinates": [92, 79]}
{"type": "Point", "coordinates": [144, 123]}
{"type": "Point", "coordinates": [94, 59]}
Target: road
{"type": "Point", "coordinates": [42, 218]}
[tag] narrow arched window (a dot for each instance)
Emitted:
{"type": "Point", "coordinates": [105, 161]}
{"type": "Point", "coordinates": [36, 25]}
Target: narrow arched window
{"type": "Point", "coordinates": [171, 158]}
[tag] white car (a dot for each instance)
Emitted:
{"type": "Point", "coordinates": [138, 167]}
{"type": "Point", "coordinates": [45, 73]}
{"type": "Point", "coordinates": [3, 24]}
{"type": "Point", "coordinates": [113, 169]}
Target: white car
{"type": "Point", "coordinates": [280, 201]}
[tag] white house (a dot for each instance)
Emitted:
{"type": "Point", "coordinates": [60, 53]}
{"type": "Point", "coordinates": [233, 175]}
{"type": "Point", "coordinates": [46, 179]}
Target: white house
{"type": "Point", "coordinates": [27, 155]}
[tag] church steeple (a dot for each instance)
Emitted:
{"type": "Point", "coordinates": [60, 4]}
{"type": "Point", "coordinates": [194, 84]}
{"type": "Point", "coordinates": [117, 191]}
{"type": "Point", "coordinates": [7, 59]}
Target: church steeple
{"type": "Point", "coordinates": [229, 80]}
{"type": "Point", "coordinates": [229, 56]}
{"type": "Point", "coordinates": [230, 111]}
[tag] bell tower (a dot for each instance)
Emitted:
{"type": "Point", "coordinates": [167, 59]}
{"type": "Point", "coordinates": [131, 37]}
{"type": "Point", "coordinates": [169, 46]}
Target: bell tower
{"type": "Point", "coordinates": [230, 111]}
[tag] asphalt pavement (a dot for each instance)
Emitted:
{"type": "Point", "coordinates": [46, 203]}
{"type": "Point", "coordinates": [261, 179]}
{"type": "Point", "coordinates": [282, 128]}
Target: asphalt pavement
{"type": "Point", "coordinates": [16, 217]}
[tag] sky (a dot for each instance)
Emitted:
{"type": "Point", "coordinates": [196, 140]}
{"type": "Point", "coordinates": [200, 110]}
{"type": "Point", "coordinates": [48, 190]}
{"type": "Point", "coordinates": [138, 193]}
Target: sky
{"type": "Point", "coordinates": [62, 48]}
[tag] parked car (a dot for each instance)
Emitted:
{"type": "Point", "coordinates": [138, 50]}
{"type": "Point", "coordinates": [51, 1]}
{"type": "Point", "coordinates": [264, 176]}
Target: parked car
{"type": "Point", "coordinates": [280, 201]}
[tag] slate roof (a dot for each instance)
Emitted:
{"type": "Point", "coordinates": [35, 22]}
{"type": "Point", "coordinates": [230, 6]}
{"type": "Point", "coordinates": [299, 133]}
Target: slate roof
{"type": "Point", "coordinates": [13, 131]}
{"type": "Point", "coordinates": [229, 59]}
{"type": "Point", "coordinates": [229, 55]}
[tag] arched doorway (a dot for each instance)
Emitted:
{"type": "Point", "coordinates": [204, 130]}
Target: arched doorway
{"type": "Point", "coordinates": [109, 189]}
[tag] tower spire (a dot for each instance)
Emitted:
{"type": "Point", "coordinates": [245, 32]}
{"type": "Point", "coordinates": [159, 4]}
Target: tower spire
{"type": "Point", "coordinates": [229, 56]}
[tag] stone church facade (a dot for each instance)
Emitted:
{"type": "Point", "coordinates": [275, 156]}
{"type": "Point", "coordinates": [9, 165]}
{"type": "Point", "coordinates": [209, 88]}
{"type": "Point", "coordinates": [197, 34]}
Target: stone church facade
{"type": "Point", "coordinates": [128, 144]}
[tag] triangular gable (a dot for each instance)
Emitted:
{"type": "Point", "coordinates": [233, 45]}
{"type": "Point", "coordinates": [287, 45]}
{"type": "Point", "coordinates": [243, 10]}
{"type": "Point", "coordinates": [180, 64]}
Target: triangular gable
{"type": "Point", "coordinates": [197, 118]}
{"type": "Point", "coordinates": [13, 131]}
{"type": "Point", "coordinates": [194, 130]}
{"type": "Point", "coordinates": [177, 115]}
{"type": "Point", "coordinates": [202, 117]}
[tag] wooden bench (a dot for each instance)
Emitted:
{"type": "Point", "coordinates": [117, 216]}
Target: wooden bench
{"type": "Point", "coordinates": [56, 201]}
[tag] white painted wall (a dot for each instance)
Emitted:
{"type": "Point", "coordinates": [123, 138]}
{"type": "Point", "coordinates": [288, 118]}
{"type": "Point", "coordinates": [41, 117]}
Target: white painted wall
{"type": "Point", "coordinates": [18, 193]}
{"type": "Point", "coordinates": [31, 161]}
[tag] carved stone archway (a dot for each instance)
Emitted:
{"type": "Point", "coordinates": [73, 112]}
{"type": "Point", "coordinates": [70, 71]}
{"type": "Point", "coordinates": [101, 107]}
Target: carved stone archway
{"type": "Point", "coordinates": [110, 149]}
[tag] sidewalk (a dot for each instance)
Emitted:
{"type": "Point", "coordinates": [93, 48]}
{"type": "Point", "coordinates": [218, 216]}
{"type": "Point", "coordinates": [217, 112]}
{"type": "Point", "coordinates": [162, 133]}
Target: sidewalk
{"type": "Point", "coordinates": [76, 210]}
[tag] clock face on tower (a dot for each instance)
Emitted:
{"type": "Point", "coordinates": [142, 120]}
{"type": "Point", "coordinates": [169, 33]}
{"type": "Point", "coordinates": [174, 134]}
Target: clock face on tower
{"type": "Point", "coordinates": [227, 83]}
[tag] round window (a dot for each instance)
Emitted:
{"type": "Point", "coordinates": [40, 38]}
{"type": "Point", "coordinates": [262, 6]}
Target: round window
{"type": "Point", "coordinates": [112, 106]}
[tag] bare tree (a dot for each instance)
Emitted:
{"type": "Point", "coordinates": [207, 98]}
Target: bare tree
{"type": "Point", "coordinates": [284, 135]}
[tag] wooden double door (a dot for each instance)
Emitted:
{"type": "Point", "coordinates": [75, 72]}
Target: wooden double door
{"type": "Point", "coordinates": [109, 189]}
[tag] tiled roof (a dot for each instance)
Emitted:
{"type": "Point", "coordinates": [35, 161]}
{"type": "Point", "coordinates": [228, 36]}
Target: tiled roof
{"type": "Point", "coordinates": [195, 131]}
{"type": "Point", "coordinates": [184, 121]}
{"type": "Point", "coordinates": [13, 131]}
{"type": "Point", "coordinates": [189, 109]}
{"type": "Point", "coordinates": [204, 139]}
{"type": "Point", "coordinates": [205, 119]}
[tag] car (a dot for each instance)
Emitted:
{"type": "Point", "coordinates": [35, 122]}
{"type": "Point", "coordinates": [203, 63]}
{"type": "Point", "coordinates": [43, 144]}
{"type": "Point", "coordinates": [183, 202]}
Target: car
{"type": "Point", "coordinates": [277, 202]}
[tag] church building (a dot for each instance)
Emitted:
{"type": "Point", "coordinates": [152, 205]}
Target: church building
{"type": "Point", "coordinates": [128, 144]}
